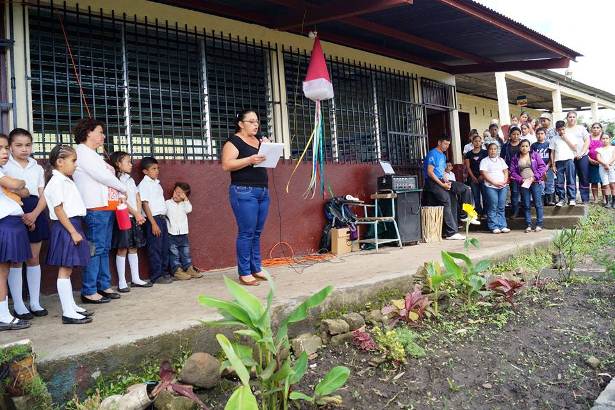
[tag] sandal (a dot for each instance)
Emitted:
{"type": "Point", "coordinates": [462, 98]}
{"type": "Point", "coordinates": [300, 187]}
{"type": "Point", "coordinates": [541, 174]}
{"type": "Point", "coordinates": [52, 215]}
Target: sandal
{"type": "Point", "coordinates": [15, 324]}
{"type": "Point", "coordinates": [248, 283]}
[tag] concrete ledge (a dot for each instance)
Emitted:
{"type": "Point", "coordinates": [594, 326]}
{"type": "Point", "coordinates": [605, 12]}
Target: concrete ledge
{"type": "Point", "coordinates": [150, 324]}
{"type": "Point", "coordinates": [606, 400]}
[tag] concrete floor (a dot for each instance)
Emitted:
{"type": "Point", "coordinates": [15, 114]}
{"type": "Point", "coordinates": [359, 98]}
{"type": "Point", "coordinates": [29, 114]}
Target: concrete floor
{"type": "Point", "coordinates": [171, 308]}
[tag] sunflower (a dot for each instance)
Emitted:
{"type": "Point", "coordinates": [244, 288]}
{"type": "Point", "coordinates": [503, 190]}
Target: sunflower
{"type": "Point", "coordinates": [469, 209]}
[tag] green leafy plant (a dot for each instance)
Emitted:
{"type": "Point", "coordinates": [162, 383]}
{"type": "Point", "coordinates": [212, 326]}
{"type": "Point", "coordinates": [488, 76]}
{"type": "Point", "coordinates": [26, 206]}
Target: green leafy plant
{"type": "Point", "coordinates": [566, 243]}
{"type": "Point", "coordinates": [413, 308]}
{"type": "Point", "coordinates": [408, 340]}
{"type": "Point", "coordinates": [468, 278]}
{"type": "Point", "coordinates": [332, 381]}
{"type": "Point", "coordinates": [390, 345]}
{"type": "Point", "coordinates": [276, 371]}
{"type": "Point", "coordinates": [435, 280]}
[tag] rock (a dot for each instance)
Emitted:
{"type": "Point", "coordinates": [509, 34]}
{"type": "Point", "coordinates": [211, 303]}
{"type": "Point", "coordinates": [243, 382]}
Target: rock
{"type": "Point", "coordinates": [341, 339]}
{"type": "Point", "coordinates": [168, 401]}
{"type": "Point", "coordinates": [487, 386]}
{"type": "Point", "coordinates": [354, 320]}
{"type": "Point", "coordinates": [377, 361]}
{"type": "Point", "coordinates": [201, 370]}
{"type": "Point", "coordinates": [111, 402]}
{"type": "Point", "coordinates": [374, 317]}
{"type": "Point", "coordinates": [136, 398]}
{"type": "Point", "coordinates": [307, 343]}
{"type": "Point", "coordinates": [593, 362]}
{"type": "Point", "coordinates": [335, 326]}
{"type": "Point", "coordinates": [324, 336]}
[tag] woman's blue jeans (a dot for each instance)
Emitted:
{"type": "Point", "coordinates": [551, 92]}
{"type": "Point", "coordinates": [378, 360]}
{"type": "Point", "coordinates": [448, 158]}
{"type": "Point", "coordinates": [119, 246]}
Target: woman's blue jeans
{"type": "Point", "coordinates": [496, 207]}
{"type": "Point", "coordinates": [515, 197]}
{"type": "Point", "coordinates": [535, 192]}
{"type": "Point", "coordinates": [250, 206]}
{"type": "Point", "coordinates": [99, 229]}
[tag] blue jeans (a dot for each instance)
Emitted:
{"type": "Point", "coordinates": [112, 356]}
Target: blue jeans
{"type": "Point", "coordinates": [581, 166]}
{"type": "Point", "coordinates": [179, 252]}
{"type": "Point", "coordinates": [496, 207]}
{"type": "Point", "coordinates": [550, 182]}
{"type": "Point", "coordinates": [477, 194]}
{"type": "Point", "coordinates": [250, 206]}
{"type": "Point", "coordinates": [566, 180]}
{"type": "Point", "coordinates": [157, 248]}
{"type": "Point", "coordinates": [515, 197]}
{"type": "Point", "coordinates": [99, 229]}
{"type": "Point", "coordinates": [535, 192]}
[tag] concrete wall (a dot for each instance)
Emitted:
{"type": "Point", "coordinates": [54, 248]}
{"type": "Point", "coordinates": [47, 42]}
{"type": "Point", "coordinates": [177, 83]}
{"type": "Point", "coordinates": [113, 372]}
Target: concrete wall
{"type": "Point", "coordinates": [483, 110]}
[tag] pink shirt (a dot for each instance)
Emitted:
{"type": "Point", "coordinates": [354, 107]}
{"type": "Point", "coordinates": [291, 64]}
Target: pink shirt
{"type": "Point", "coordinates": [593, 146]}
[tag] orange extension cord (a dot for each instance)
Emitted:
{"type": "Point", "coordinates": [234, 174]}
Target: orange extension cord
{"type": "Point", "coordinates": [292, 259]}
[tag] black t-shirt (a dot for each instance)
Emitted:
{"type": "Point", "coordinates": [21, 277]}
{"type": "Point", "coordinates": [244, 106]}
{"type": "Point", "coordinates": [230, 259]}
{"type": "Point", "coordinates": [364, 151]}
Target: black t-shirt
{"type": "Point", "coordinates": [250, 175]}
{"type": "Point", "coordinates": [475, 159]}
{"type": "Point", "coordinates": [542, 148]}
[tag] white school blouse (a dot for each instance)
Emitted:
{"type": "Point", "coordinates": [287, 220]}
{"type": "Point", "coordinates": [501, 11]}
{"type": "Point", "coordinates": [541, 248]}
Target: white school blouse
{"type": "Point", "coordinates": [33, 174]}
{"type": "Point", "coordinates": [61, 190]}
{"type": "Point", "coordinates": [152, 193]}
{"type": "Point", "coordinates": [8, 207]}
{"type": "Point", "coordinates": [177, 216]}
{"type": "Point", "coordinates": [131, 191]}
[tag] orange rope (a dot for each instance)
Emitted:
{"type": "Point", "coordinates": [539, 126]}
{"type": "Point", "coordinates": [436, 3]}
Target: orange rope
{"type": "Point", "coordinates": [72, 59]}
{"type": "Point", "coordinates": [292, 259]}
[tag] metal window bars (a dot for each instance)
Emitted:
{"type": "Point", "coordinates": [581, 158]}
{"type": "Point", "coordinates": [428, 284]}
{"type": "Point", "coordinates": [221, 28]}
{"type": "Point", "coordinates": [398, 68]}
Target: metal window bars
{"type": "Point", "coordinates": [162, 89]}
{"type": "Point", "coordinates": [437, 94]}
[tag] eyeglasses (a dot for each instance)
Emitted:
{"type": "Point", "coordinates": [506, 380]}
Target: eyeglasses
{"type": "Point", "coordinates": [252, 121]}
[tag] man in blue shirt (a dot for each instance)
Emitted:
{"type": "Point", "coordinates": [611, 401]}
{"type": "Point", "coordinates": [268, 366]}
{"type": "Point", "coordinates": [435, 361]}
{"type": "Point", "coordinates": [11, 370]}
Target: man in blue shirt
{"type": "Point", "coordinates": [444, 192]}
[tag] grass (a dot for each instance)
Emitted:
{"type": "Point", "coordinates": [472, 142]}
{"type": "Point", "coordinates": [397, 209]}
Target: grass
{"type": "Point", "coordinates": [16, 352]}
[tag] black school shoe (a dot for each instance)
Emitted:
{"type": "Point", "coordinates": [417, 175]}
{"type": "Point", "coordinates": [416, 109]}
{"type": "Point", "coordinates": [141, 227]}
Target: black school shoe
{"type": "Point", "coordinates": [95, 302]}
{"type": "Point", "coordinates": [40, 313]}
{"type": "Point", "coordinates": [24, 316]}
{"type": "Point", "coordinates": [124, 290]}
{"type": "Point", "coordinates": [164, 280]}
{"type": "Point", "coordinates": [15, 324]}
{"type": "Point", "coordinates": [147, 284]}
{"type": "Point", "coordinates": [109, 295]}
{"type": "Point", "coordinates": [72, 321]}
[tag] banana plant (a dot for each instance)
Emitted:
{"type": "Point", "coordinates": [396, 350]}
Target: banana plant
{"type": "Point", "coordinates": [468, 278]}
{"type": "Point", "coordinates": [276, 371]}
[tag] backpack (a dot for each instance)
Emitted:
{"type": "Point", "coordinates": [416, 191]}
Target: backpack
{"type": "Point", "coordinates": [338, 215]}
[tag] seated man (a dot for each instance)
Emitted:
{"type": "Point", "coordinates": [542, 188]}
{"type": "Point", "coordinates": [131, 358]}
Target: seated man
{"type": "Point", "coordinates": [444, 192]}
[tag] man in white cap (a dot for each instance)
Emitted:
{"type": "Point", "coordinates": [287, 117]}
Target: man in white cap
{"type": "Point", "coordinates": [545, 122]}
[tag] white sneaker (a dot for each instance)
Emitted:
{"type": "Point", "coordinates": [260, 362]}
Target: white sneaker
{"type": "Point", "coordinates": [561, 203]}
{"type": "Point", "coordinates": [505, 230]}
{"type": "Point", "coordinates": [528, 229]}
{"type": "Point", "coordinates": [538, 229]}
{"type": "Point", "coordinates": [572, 203]}
{"type": "Point", "coordinates": [496, 230]}
{"type": "Point", "coordinates": [456, 237]}
{"type": "Point", "coordinates": [475, 221]}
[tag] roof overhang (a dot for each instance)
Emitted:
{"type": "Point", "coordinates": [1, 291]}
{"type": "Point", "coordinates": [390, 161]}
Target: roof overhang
{"type": "Point", "coordinates": [455, 36]}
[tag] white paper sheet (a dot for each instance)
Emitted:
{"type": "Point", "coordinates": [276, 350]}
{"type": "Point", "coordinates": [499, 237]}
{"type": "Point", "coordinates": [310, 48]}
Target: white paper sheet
{"type": "Point", "coordinates": [387, 168]}
{"type": "Point", "coordinates": [527, 183]}
{"type": "Point", "coordinates": [272, 151]}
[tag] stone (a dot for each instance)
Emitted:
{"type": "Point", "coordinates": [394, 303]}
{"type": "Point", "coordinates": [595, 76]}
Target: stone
{"type": "Point", "coordinates": [201, 370]}
{"type": "Point", "coordinates": [307, 343]}
{"type": "Point", "coordinates": [354, 320]}
{"type": "Point", "coordinates": [374, 317]}
{"type": "Point", "coordinates": [111, 402]}
{"type": "Point", "coordinates": [136, 398]}
{"type": "Point", "coordinates": [167, 401]}
{"type": "Point", "coordinates": [487, 386]}
{"type": "Point", "coordinates": [324, 336]}
{"type": "Point", "coordinates": [338, 340]}
{"type": "Point", "coordinates": [335, 326]}
{"type": "Point", "coordinates": [593, 362]}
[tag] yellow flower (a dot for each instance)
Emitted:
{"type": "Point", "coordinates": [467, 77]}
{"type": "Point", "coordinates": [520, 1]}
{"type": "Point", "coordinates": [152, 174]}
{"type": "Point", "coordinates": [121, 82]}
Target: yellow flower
{"type": "Point", "coordinates": [469, 209]}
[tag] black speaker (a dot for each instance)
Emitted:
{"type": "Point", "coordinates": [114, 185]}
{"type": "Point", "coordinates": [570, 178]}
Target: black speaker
{"type": "Point", "coordinates": [407, 215]}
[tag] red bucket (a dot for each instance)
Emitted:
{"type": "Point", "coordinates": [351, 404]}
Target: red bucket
{"type": "Point", "coordinates": [123, 217]}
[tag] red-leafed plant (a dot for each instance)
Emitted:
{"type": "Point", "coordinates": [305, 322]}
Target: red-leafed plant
{"type": "Point", "coordinates": [506, 287]}
{"type": "Point", "coordinates": [413, 308]}
{"type": "Point", "coordinates": [363, 340]}
{"type": "Point", "coordinates": [169, 382]}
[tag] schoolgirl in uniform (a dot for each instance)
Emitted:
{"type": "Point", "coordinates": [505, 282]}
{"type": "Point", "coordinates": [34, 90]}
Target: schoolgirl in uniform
{"type": "Point", "coordinates": [127, 242]}
{"type": "Point", "coordinates": [67, 244]}
{"type": "Point", "coordinates": [14, 243]}
{"type": "Point", "coordinates": [22, 166]}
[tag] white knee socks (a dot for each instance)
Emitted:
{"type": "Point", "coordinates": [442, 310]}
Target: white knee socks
{"type": "Point", "coordinates": [133, 261]}
{"type": "Point", "coordinates": [34, 286]}
{"type": "Point", "coordinates": [65, 291]}
{"type": "Point", "coordinates": [120, 265]}
{"type": "Point", "coordinates": [15, 285]}
{"type": "Point", "coordinates": [5, 315]}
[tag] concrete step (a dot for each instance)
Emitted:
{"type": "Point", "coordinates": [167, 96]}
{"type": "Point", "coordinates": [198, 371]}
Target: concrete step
{"type": "Point", "coordinates": [550, 222]}
{"type": "Point", "coordinates": [579, 210]}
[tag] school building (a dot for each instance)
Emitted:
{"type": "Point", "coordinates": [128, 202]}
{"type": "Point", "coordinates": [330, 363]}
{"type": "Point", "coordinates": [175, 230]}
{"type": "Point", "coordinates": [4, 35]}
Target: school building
{"type": "Point", "coordinates": [168, 78]}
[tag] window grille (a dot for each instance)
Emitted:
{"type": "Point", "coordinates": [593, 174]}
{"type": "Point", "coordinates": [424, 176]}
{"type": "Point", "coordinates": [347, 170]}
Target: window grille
{"type": "Point", "coordinates": [437, 94]}
{"type": "Point", "coordinates": [162, 89]}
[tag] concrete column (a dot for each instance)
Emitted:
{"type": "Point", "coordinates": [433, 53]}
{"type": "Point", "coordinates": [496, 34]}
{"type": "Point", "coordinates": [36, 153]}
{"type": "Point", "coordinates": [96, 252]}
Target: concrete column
{"type": "Point", "coordinates": [22, 103]}
{"type": "Point", "coordinates": [595, 111]}
{"type": "Point", "coordinates": [456, 147]}
{"type": "Point", "coordinates": [558, 112]}
{"type": "Point", "coordinates": [503, 109]}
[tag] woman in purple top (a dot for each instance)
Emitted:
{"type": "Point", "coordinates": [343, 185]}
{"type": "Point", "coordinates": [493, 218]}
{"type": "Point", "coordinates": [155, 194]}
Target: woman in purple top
{"type": "Point", "coordinates": [595, 142]}
{"type": "Point", "coordinates": [528, 169]}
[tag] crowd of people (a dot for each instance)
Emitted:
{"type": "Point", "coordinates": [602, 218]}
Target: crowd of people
{"type": "Point", "coordinates": [530, 162]}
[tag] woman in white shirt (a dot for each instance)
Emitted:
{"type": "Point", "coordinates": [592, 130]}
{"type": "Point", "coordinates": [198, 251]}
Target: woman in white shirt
{"type": "Point", "coordinates": [606, 159]}
{"type": "Point", "coordinates": [580, 136]}
{"type": "Point", "coordinates": [101, 191]}
{"type": "Point", "coordinates": [494, 171]}
{"type": "Point", "coordinates": [14, 243]}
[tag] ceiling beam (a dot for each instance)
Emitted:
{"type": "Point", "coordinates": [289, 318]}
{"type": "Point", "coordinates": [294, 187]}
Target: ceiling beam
{"type": "Point", "coordinates": [478, 11]}
{"type": "Point", "coordinates": [312, 14]}
{"type": "Point", "coordinates": [377, 49]}
{"type": "Point", "coordinates": [412, 39]}
{"type": "Point", "coordinates": [511, 66]}
{"type": "Point", "coordinates": [219, 10]}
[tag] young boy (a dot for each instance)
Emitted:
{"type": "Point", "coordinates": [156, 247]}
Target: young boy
{"type": "Point", "coordinates": [541, 146]}
{"type": "Point", "coordinates": [563, 151]}
{"type": "Point", "coordinates": [155, 210]}
{"type": "Point", "coordinates": [448, 171]}
{"type": "Point", "coordinates": [178, 209]}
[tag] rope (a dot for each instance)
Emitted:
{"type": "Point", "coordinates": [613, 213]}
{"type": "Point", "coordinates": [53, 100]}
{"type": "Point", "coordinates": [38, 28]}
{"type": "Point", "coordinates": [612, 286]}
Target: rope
{"type": "Point", "coordinates": [292, 259]}
{"type": "Point", "coordinates": [72, 59]}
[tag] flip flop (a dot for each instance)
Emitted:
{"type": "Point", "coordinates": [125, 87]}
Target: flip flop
{"type": "Point", "coordinates": [249, 283]}
{"type": "Point", "coordinates": [15, 324]}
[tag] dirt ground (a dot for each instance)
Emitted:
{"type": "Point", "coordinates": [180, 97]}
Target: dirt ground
{"type": "Point", "coordinates": [491, 357]}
